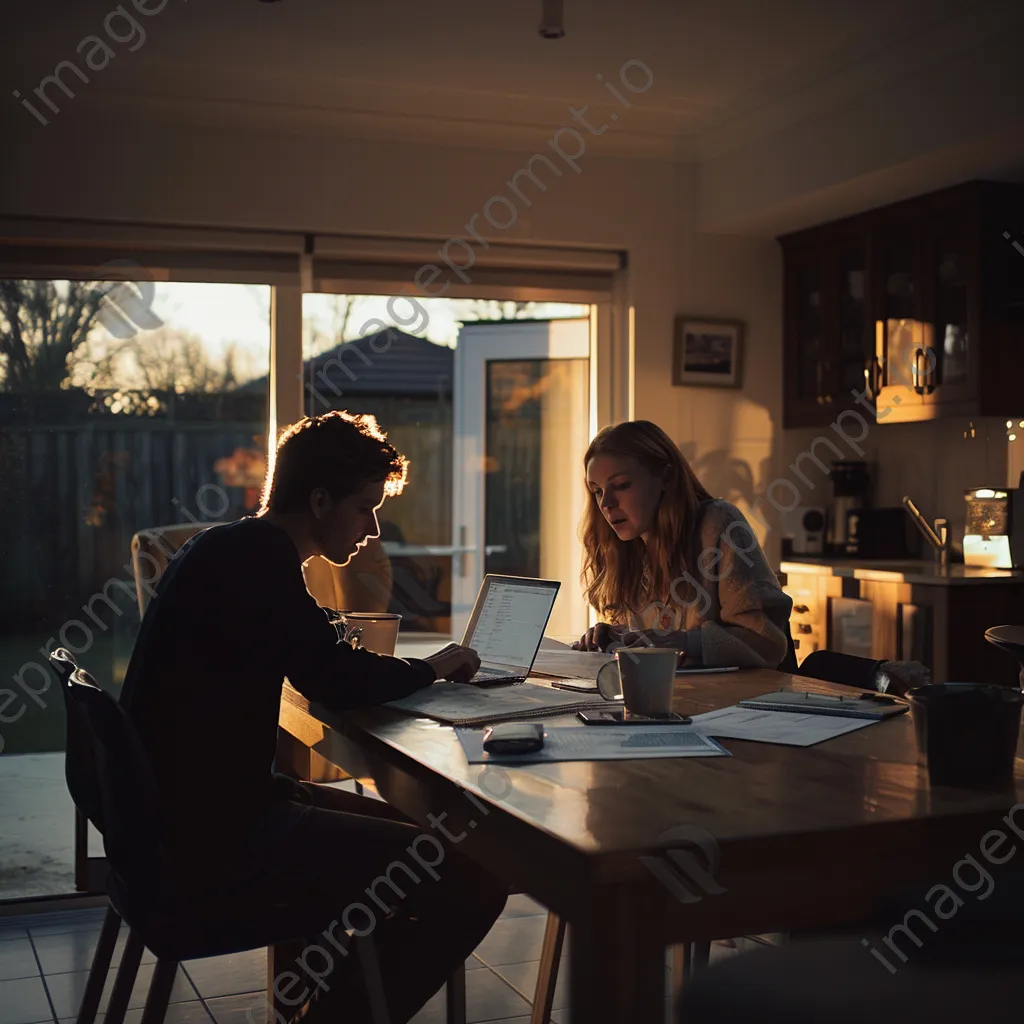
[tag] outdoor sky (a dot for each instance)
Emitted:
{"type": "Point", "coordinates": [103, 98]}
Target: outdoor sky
{"type": "Point", "coordinates": [224, 313]}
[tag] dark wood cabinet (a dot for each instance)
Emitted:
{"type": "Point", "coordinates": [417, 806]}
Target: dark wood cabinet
{"type": "Point", "coordinates": [917, 307]}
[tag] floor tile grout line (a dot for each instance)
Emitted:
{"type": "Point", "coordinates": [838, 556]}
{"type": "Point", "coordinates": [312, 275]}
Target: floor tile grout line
{"type": "Point", "coordinates": [202, 999]}
{"type": "Point", "coordinates": [505, 981]}
{"type": "Point", "coordinates": [42, 978]}
{"type": "Point", "coordinates": [188, 978]}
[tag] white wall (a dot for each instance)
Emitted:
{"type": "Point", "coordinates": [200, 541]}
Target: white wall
{"type": "Point", "coordinates": [731, 436]}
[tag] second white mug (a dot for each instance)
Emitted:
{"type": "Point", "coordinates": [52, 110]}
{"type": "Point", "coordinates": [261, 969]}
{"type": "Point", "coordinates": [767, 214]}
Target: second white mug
{"type": "Point", "coordinates": [644, 677]}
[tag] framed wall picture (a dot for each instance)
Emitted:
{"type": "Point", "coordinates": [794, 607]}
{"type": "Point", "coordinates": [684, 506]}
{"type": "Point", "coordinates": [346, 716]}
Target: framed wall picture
{"type": "Point", "coordinates": [707, 352]}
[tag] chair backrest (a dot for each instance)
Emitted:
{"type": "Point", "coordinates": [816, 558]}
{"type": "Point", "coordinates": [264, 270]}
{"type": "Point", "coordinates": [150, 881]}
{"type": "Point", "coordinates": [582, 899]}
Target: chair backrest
{"type": "Point", "coordinates": [125, 785]}
{"type": "Point", "coordinates": [363, 585]}
{"type": "Point", "coordinates": [848, 669]}
{"type": "Point", "coordinates": [152, 551]}
{"type": "Point", "coordinates": [79, 754]}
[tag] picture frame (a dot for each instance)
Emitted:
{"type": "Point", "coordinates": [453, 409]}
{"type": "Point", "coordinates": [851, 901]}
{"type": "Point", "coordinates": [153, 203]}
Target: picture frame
{"type": "Point", "coordinates": [707, 352]}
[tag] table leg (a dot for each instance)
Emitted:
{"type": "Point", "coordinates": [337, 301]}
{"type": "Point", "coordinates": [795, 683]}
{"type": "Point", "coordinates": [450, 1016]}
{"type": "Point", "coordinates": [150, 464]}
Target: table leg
{"type": "Point", "coordinates": [280, 958]}
{"type": "Point", "coordinates": [617, 967]}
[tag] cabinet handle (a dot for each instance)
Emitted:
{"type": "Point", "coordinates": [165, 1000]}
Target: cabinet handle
{"type": "Point", "coordinates": [929, 386]}
{"type": "Point", "coordinates": [918, 371]}
{"type": "Point", "coordinates": [801, 609]}
{"type": "Point", "coordinates": [924, 377]}
{"type": "Point", "coordinates": [873, 377]}
{"type": "Point", "coordinates": [827, 397]}
{"type": "Point", "coordinates": [823, 399]}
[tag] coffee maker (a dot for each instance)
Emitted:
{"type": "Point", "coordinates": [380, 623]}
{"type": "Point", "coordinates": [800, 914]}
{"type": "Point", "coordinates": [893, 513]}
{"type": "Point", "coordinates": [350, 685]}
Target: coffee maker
{"type": "Point", "coordinates": [850, 485]}
{"type": "Point", "coordinates": [994, 527]}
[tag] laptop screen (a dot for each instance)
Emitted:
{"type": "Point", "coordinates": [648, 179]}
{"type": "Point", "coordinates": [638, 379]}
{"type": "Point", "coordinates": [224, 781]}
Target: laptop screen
{"type": "Point", "coordinates": [508, 621]}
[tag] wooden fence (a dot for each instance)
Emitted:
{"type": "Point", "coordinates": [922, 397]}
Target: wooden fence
{"type": "Point", "coordinates": [73, 494]}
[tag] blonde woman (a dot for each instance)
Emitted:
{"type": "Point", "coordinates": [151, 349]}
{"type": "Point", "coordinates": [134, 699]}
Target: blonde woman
{"type": "Point", "coordinates": [668, 565]}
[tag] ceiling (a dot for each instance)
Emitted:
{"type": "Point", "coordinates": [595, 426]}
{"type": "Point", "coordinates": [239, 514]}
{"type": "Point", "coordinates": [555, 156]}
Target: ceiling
{"type": "Point", "coordinates": [464, 71]}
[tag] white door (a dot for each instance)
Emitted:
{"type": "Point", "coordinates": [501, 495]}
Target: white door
{"type": "Point", "coordinates": [522, 423]}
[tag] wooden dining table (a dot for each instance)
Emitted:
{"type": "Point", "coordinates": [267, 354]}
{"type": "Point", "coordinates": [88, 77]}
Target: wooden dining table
{"type": "Point", "coordinates": [772, 839]}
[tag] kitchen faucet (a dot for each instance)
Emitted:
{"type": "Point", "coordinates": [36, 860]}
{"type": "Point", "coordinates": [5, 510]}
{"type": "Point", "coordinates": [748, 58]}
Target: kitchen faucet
{"type": "Point", "coordinates": [938, 538]}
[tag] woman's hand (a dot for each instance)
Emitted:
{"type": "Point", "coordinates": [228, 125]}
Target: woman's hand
{"type": "Point", "coordinates": [599, 638]}
{"type": "Point", "coordinates": [455, 663]}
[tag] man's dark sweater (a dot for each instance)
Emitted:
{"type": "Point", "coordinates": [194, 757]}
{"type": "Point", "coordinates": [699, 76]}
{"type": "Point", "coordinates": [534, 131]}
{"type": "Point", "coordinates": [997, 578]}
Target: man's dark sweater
{"type": "Point", "coordinates": [230, 620]}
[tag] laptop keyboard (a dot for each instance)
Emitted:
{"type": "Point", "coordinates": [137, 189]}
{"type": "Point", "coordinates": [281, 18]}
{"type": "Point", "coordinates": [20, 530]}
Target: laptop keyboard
{"type": "Point", "coordinates": [493, 675]}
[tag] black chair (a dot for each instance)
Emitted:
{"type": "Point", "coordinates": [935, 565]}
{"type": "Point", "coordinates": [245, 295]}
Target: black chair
{"type": "Point", "coordinates": [848, 669]}
{"type": "Point", "coordinates": [63, 663]}
{"type": "Point", "coordinates": [111, 782]}
{"type": "Point", "coordinates": [788, 663]}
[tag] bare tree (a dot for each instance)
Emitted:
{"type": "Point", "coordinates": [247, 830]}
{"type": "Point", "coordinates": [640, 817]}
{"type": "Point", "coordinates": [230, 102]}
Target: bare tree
{"type": "Point", "coordinates": [342, 326]}
{"type": "Point", "coordinates": [42, 325]}
{"type": "Point", "coordinates": [162, 360]}
{"type": "Point", "coordinates": [495, 309]}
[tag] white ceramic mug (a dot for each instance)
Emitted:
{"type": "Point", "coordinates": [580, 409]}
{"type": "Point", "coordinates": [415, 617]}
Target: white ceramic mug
{"type": "Point", "coordinates": [644, 677]}
{"type": "Point", "coordinates": [376, 631]}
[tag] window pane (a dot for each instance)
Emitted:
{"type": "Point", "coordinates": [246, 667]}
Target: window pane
{"type": "Point", "coordinates": [121, 409]}
{"type": "Point", "coordinates": [533, 488]}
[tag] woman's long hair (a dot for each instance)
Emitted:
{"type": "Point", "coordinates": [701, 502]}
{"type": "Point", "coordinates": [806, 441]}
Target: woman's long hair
{"type": "Point", "coordinates": [613, 570]}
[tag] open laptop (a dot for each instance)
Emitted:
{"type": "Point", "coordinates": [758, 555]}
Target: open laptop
{"type": "Point", "coordinates": [507, 626]}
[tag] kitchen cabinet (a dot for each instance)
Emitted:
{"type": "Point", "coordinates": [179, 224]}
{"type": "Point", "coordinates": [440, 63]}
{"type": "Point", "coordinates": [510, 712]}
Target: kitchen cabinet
{"type": "Point", "coordinates": [918, 307]}
{"type": "Point", "coordinates": [885, 614]}
{"type": "Point", "coordinates": [828, 328]}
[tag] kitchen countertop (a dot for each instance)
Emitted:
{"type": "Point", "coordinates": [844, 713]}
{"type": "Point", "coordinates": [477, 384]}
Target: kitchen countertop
{"type": "Point", "coordinates": [882, 571]}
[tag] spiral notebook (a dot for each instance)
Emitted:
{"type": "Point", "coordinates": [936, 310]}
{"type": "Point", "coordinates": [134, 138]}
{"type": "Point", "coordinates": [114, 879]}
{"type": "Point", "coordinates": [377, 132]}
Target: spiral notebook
{"type": "Point", "coordinates": [465, 704]}
{"type": "Point", "coordinates": [871, 705]}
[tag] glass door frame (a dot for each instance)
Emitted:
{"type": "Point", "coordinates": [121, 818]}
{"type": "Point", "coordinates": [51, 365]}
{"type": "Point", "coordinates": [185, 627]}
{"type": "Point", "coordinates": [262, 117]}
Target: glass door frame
{"type": "Point", "coordinates": [469, 485]}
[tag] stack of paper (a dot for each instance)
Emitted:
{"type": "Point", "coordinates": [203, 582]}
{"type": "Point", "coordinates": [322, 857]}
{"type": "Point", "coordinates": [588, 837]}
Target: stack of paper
{"type": "Point", "coordinates": [557, 659]}
{"type": "Point", "coordinates": [786, 727]}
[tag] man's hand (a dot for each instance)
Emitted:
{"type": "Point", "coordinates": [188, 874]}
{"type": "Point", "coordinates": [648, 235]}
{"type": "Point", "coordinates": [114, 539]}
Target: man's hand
{"type": "Point", "coordinates": [599, 638]}
{"type": "Point", "coordinates": [455, 663]}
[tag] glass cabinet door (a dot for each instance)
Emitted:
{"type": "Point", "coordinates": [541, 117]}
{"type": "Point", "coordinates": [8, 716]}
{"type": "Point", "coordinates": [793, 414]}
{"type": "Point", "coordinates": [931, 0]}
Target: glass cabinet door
{"type": "Point", "coordinates": [903, 370]}
{"type": "Point", "coordinates": [953, 347]}
{"type": "Point", "coordinates": [809, 325]}
{"type": "Point", "coordinates": [855, 342]}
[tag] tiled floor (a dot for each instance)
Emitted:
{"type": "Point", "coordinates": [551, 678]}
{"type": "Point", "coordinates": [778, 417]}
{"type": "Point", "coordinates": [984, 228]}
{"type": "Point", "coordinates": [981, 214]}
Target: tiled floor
{"type": "Point", "coordinates": [44, 961]}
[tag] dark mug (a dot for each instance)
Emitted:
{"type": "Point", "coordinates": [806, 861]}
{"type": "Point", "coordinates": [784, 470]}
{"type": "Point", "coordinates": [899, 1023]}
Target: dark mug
{"type": "Point", "coordinates": [967, 732]}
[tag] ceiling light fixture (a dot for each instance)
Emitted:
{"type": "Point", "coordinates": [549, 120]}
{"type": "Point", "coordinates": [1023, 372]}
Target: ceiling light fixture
{"type": "Point", "coordinates": [552, 25]}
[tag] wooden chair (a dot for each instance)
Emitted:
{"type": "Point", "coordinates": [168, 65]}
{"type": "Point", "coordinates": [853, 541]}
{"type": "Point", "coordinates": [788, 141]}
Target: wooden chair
{"type": "Point", "coordinates": [364, 584]}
